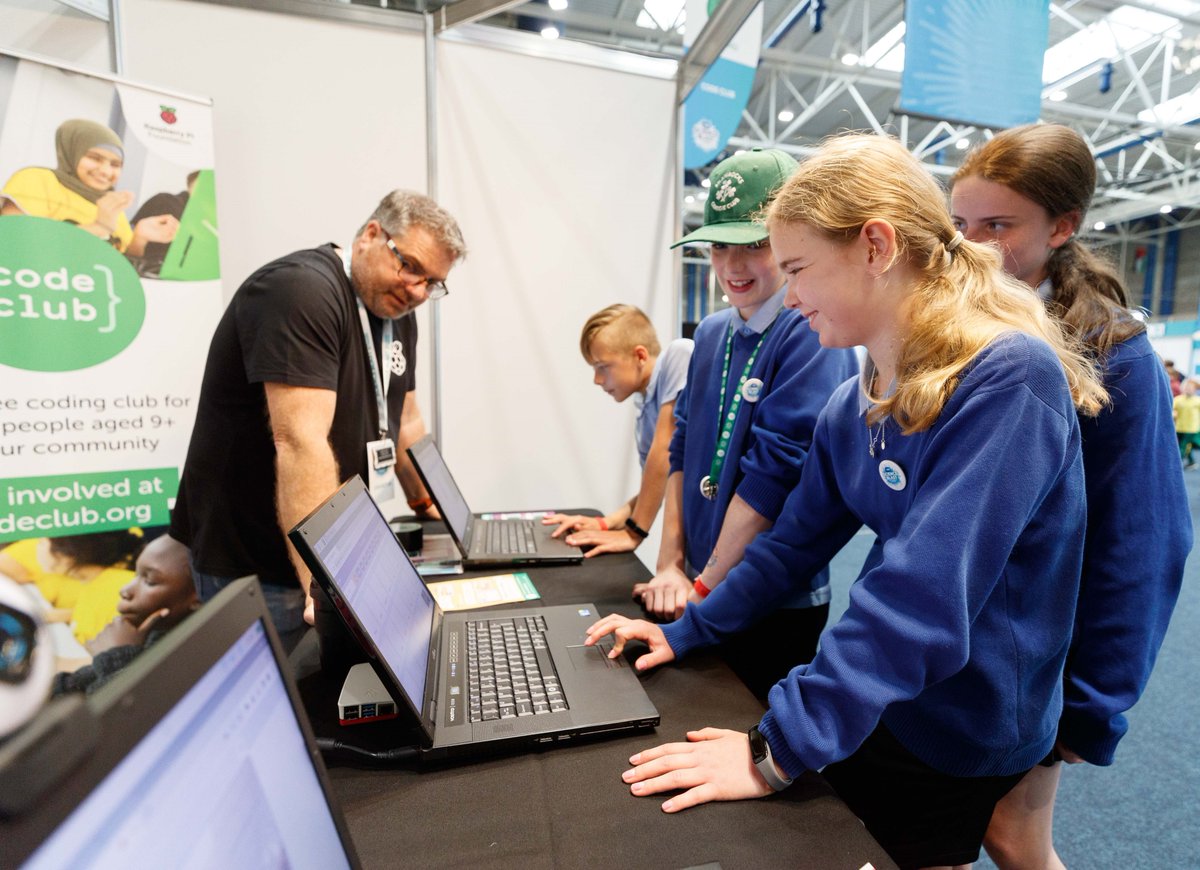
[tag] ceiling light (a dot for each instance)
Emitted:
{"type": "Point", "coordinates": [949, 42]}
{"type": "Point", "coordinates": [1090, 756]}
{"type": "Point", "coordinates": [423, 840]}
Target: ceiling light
{"type": "Point", "coordinates": [1166, 209]}
{"type": "Point", "coordinates": [558, 5]}
{"type": "Point", "coordinates": [850, 59]}
{"type": "Point", "coordinates": [1057, 96]}
{"type": "Point", "coordinates": [786, 115]}
{"type": "Point", "coordinates": [888, 52]}
{"type": "Point", "coordinates": [550, 31]}
{"type": "Point", "coordinates": [963, 144]}
{"type": "Point", "coordinates": [1099, 225]}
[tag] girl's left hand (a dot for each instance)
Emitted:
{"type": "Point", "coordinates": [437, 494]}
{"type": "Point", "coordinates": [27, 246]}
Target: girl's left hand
{"type": "Point", "coordinates": [714, 765]}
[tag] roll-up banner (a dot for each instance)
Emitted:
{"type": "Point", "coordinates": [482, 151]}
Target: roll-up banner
{"type": "Point", "coordinates": [713, 110]}
{"type": "Point", "coordinates": [109, 293]}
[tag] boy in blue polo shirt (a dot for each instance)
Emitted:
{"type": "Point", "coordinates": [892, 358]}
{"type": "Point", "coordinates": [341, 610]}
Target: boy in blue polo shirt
{"type": "Point", "coordinates": [620, 345]}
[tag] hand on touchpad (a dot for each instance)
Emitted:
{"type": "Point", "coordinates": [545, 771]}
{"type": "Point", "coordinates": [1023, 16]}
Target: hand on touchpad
{"type": "Point", "coordinates": [585, 657]}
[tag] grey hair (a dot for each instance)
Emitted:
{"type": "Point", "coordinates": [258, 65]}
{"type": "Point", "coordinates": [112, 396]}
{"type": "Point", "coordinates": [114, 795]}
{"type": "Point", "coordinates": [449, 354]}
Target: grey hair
{"type": "Point", "coordinates": [401, 209]}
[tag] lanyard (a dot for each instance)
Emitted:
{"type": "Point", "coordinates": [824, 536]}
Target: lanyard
{"type": "Point", "coordinates": [385, 346]}
{"type": "Point", "coordinates": [708, 486]}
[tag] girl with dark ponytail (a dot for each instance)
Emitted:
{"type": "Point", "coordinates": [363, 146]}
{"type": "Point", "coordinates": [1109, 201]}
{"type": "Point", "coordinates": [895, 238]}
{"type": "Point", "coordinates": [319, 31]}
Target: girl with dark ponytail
{"type": "Point", "coordinates": [1027, 190]}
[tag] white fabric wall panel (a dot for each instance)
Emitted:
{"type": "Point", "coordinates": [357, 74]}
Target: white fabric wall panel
{"type": "Point", "coordinates": [314, 121]}
{"type": "Point", "coordinates": [561, 175]}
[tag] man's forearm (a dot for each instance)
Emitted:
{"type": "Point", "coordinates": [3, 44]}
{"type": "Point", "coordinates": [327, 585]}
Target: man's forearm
{"type": "Point", "coordinates": [305, 475]}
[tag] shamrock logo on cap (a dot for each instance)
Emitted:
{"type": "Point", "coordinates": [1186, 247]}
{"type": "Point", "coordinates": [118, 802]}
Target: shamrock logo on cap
{"type": "Point", "coordinates": [727, 190]}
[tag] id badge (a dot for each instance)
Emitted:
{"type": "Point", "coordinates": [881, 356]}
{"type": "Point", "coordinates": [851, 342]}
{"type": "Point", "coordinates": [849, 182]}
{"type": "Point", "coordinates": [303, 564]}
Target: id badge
{"type": "Point", "coordinates": [381, 463]}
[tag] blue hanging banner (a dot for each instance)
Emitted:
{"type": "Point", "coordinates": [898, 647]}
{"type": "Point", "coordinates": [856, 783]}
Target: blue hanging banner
{"type": "Point", "coordinates": [977, 62]}
{"type": "Point", "coordinates": [713, 110]}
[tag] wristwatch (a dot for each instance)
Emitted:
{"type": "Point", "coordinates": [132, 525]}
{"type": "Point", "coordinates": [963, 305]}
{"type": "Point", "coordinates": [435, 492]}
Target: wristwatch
{"type": "Point", "coordinates": [760, 752]}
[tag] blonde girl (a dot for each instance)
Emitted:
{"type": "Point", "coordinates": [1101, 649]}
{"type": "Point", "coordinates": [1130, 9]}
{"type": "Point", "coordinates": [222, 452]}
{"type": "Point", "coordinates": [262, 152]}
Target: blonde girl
{"type": "Point", "coordinates": [959, 448]}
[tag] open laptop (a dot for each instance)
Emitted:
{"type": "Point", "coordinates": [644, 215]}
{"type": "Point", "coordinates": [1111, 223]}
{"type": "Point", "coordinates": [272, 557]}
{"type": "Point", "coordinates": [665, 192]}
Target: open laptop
{"type": "Point", "coordinates": [484, 541]}
{"type": "Point", "coordinates": [197, 755]}
{"type": "Point", "coordinates": [476, 682]}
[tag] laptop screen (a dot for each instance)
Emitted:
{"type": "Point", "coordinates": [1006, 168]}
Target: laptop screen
{"type": "Point", "coordinates": [442, 487]}
{"type": "Point", "coordinates": [382, 588]}
{"type": "Point", "coordinates": [223, 780]}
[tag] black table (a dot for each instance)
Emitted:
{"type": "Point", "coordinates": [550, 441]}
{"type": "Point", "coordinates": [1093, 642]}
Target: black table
{"type": "Point", "coordinates": [567, 807]}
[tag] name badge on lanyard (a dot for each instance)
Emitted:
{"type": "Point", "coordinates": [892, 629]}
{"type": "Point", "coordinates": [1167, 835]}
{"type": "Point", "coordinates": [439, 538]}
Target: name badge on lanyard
{"type": "Point", "coordinates": [381, 453]}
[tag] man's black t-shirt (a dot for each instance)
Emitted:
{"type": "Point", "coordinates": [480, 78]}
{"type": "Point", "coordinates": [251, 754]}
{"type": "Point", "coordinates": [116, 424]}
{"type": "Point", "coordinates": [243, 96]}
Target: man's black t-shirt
{"type": "Point", "coordinates": [295, 321]}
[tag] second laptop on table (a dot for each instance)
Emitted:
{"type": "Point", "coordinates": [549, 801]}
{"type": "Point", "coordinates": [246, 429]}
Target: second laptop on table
{"type": "Point", "coordinates": [484, 541]}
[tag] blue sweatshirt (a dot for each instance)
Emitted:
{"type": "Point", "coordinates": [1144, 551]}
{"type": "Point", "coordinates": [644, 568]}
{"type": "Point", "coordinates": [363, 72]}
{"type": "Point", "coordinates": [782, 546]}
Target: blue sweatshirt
{"type": "Point", "coordinates": [958, 626]}
{"type": "Point", "coordinates": [771, 437]}
{"type": "Point", "coordinates": [1139, 533]}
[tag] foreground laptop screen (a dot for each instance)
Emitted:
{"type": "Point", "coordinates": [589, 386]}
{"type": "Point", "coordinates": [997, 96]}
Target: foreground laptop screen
{"type": "Point", "coordinates": [443, 488]}
{"type": "Point", "coordinates": [388, 597]}
{"type": "Point", "coordinates": [224, 780]}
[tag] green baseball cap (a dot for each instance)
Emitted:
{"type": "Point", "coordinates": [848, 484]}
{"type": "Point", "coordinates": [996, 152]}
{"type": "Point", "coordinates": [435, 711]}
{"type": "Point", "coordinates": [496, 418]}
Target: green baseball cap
{"type": "Point", "coordinates": [741, 186]}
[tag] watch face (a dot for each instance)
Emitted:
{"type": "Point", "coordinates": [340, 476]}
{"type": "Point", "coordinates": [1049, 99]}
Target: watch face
{"type": "Point", "coordinates": [758, 745]}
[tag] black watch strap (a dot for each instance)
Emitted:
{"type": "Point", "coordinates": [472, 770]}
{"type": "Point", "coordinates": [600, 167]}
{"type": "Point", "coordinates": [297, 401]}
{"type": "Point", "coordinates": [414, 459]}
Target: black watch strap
{"type": "Point", "coordinates": [636, 529]}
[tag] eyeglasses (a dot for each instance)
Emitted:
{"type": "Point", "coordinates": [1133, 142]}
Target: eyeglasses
{"type": "Point", "coordinates": [405, 267]}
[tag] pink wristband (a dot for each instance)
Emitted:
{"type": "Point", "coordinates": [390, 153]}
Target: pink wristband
{"type": "Point", "coordinates": [603, 524]}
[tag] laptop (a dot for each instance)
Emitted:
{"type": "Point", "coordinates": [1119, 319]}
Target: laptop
{"type": "Point", "coordinates": [197, 755]}
{"type": "Point", "coordinates": [483, 540]}
{"type": "Point", "coordinates": [475, 682]}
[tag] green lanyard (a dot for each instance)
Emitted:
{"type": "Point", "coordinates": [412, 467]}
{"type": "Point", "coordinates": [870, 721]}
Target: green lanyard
{"type": "Point", "coordinates": [708, 486]}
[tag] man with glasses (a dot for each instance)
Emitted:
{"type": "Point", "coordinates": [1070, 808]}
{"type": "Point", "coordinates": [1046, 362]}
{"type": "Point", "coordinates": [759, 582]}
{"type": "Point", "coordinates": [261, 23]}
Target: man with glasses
{"type": "Point", "coordinates": [310, 378]}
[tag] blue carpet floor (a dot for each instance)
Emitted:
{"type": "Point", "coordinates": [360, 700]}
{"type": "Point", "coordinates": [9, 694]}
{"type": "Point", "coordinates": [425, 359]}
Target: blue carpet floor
{"type": "Point", "coordinates": [1144, 810]}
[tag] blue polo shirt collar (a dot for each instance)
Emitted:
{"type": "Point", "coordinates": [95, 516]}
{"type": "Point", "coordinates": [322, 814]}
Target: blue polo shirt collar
{"type": "Point", "coordinates": [762, 318]}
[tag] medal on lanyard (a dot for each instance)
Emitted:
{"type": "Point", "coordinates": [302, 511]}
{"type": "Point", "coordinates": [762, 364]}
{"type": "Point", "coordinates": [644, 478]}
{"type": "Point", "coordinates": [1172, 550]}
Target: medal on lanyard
{"type": "Point", "coordinates": [748, 388]}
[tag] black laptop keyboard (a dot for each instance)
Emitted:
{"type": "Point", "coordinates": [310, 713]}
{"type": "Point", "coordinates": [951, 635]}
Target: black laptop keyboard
{"type": "Point", "coordinates": [505, 536]}
{"type": "Point", "coordinates": [509, 669]}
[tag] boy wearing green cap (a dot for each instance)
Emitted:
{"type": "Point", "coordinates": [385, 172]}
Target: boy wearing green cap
{"type": "Point", "coordinates": [757, 381]}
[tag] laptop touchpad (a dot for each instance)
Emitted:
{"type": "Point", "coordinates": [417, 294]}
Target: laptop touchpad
{"type": "Point", "coordinates": [593, 657]}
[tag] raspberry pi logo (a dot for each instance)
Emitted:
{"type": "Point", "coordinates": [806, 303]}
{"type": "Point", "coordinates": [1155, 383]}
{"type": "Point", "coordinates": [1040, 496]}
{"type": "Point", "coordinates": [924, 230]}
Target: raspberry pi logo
{"type": "Point", "coordinates": [168, 114]}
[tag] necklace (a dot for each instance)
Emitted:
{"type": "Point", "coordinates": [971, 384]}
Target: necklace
{"type": "Point", "coordinates": [877, 435]}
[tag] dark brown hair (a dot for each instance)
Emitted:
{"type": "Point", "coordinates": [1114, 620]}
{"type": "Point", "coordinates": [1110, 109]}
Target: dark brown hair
{"type": "Point", "coordinates": [1052, 166]}
{"type": "Point", "coordinates": [117, 549]}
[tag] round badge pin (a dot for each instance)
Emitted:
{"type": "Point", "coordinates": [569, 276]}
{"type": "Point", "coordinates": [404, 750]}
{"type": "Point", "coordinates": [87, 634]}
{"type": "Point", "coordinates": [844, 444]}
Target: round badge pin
{"type": "Point", "coordinates": [752, 389]}
{"type": "Point", "coordinates": [708, 489]}
{"type": "Point", "coordinates": [893, 475]}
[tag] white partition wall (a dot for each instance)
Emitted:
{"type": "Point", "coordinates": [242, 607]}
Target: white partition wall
{"type": "Point", "coordinates": [561, 175]}
{"type": "Point", "coordinates": [314, 119]}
